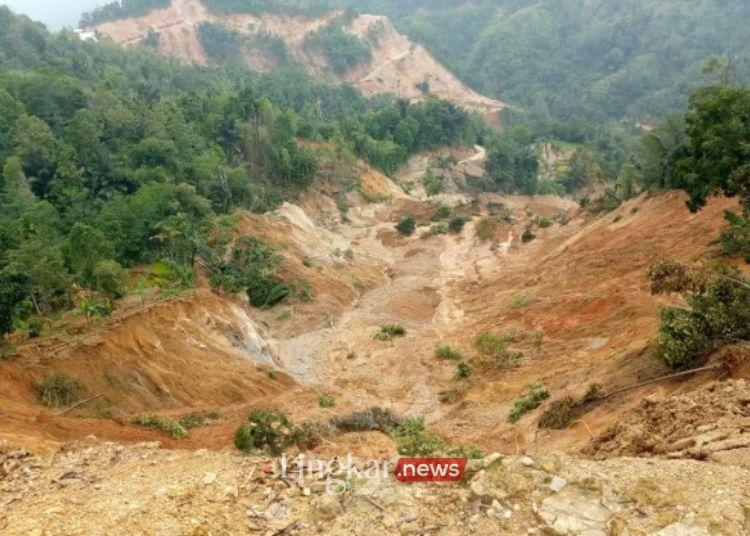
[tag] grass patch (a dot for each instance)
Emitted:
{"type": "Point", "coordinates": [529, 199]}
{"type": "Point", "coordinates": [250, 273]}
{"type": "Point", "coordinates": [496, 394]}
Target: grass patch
{"type": "Point", "coordinates": [486, 228]}
{"type": "Point", "coordinates": [60, 390]}
{"type": "Point", "coordinates": [518, 302]}
{"type": "Point", "coordinates": [325, 401]}
{"type": "Point", "coordinates": [531, 400]}
{"type": "Point", "coordinates": [159, 422]}
{"type": "Point", "coordinates": [389, 332]}
{"type": "Point", "coordinates": [436, 229]}
{"type": "Point", "coordinates": [446, 353]}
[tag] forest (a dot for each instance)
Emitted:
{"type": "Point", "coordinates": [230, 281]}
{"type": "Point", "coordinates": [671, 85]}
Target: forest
{"type": "Point", "coordinates": [113, 158]}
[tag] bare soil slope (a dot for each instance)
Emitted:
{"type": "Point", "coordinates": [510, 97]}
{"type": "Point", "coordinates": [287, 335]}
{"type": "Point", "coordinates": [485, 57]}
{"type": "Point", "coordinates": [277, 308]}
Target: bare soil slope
{"type": "Point", "coordinates": [398, 66]}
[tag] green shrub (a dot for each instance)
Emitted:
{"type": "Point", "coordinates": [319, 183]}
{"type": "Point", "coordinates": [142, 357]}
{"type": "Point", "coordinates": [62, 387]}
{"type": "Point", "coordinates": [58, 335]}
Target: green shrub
{"type": "Point", "coordinates": [307, 435]}
{"type": "Point", "coordinates": [463, 371]}
{"type": "Point", "coordinates": [531, 400]}
{"type": "Point", "coordinates": [517, 302]}
{"type": "Point", "coordinates": [437, 229]}
{"type": "Point", "coordinates": [159, 422]}
{"type": "Point", "coordinates": [456, 224]}
{"type": "Point", "coordinates": [684, 337]}
{"type": "Point", "coordinates": [445, 352]}
{"type": "Point", "coordinates": [432, 185]}
{"type": "Point", "coordinates": [562, 413]}
{"type": "Point", "coordinates": [111, 279]}
{"type": "Point", "coordinates": [389, 332]}
{"type": "Point", "coordinates": [325, 401]}
{"type": "Point", "coordinates": [413, 440]}
{"type": "Point", "coordinates": [735, 239]}
{"type": "Point", "coordinates": [192, 420]}
{"type": "Point", "coordinates": [542, 222]}
{"type": "Point", "coordinates": [490, 345]}
{"type": "Point", "coordinates": [406, 226]}
{"type": "Point", "coordinates": [268, 431]}
{"type": "Point", "coordinates": [60, 390]}
{"type": "Point", "coordinates": [528, 235]}
{"type": "Point", "coordinates": [471, 451]}
{"type": "Point", "coordinates": [374, 418]}
{"type": "Point", "coordinates": [443, 212]}
{"type": "Point", "coordinates": [719, 300]}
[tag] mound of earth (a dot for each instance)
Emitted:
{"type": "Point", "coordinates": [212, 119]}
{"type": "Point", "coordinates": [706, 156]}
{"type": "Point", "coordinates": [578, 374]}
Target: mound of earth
{"type": "Point", "coordinates": [710, 423]}
{"type": "Point", "coordinates": [110, 489]}
{"type": "Point", "coordinates": [398, 66]}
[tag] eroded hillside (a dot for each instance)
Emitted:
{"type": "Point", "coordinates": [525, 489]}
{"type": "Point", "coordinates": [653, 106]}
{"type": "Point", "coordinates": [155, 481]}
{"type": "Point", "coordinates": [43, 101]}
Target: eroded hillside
{"type": "Point", "coordinates": [575, 302]}
{"type": "Point", "coordinates": [397, 65]}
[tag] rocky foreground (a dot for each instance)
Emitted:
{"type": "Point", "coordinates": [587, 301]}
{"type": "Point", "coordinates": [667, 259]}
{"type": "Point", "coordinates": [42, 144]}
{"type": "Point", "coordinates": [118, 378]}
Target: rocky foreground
{"type": "Point", "coordinates": [111, 489]}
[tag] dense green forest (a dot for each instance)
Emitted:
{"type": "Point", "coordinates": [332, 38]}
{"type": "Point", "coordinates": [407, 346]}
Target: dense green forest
{"type": "Point", "coordinates": [112, 158]}
{"type": "Point", "coordinates": [564, 60]}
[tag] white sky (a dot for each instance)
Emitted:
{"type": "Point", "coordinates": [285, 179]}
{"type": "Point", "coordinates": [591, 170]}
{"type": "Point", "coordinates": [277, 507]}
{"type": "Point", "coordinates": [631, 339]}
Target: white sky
{"type": "Point", "coordinates": [54, 13]}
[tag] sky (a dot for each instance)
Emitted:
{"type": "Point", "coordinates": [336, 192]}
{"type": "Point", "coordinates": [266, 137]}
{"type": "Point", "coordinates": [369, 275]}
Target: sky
{"type": "Point", "coordinates": [56, 14]}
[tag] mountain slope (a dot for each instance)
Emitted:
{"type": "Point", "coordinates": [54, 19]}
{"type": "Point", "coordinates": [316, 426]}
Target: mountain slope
{"type": "Point", "coordinates": [396, 66]}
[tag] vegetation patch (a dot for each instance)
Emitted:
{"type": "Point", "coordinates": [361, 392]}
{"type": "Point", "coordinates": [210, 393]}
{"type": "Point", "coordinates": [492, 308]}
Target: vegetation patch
{"type": "Point", "coordinates": [446, 353]}
{"type": "Point", "coordinates": [60, 390]}
{"type": "Point", "coordinates": [374, 418]}
{"type": "Point", "coordinates": [159, 422]}
{"type": "Point", "coordinates": [406, 226]}
{"type": "Point", "coordinates": [192, 420]}
{"type": "Point", "coordinates": [562, 413]}
{"type": "Point", "coordinates": [389, 332]}
{"type": "Point", "coordinates": [531, 400]}
{"type": "Point", "coordinates": [719, 311]}
{"type": "Point", "coordinates": [325, 401]}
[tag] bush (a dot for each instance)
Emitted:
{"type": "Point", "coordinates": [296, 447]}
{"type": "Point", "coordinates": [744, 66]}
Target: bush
{"type": "Point", "coordinates": [159, 422]}
{"type": "Point", "coordinates": [445, 352]}
{"type": "Point", "coordinates": [443, 212]}
{"type": "Point", "coordinates": [463, 371]}
{"type": "Point", "coordinates": [719, 300]}
{"type": "Point", "coordinates": [413, 440]}
{"type": "Point", "coordinates": [528, 235]}
{"type": "Point", "coordinates": [111, 279]}
{"type": "Point", "coordinates": [683, 338]}
{"type": "Point", "coordinates": [325, 401]}
{"type": "Point", "coordinates": [191, 420]}
{"type": "Point", "coordinates": [268, 431]}
{"type": "Point", "coordinates": [562, 413]}
{"type": "Point", "coordinates": [374, 418]}
{"type": "Point", "coordinates": [456, 224]}
{"type": "Point", "coordinates": [390, 331]}
{"type": "Point", "coordinates": [307, 436]}
{"type": "Point", "coordinates": [406, 226]}
{"type": "Point", "coordinates": [494, 346]}
{"type": "Point", "coordinates": [531, 400]}
{"type": "Point", "coordinates": [735, 239]}
{"type": "Point", "coordinates": [471, 451]}
{"type": "Point", "coordinates": [60, 390]}
{"type": "Point", "coordinates": [517, 302]}
{"type": "Point", "coordinates": [437, 229]}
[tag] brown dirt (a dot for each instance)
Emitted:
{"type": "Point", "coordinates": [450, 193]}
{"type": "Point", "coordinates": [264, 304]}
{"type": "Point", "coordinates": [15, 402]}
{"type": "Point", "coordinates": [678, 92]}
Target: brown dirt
{"type": "Point", "coordinates": [398, 66]}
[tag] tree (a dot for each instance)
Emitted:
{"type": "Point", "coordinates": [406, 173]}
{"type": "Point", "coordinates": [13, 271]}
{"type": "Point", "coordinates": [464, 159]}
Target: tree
{"type": "Point", "coordinates": [41, 265]}
{"type": "Point", "coordinates": [111, 279]}
{"type": "Point", "coordinates": [84, 249]}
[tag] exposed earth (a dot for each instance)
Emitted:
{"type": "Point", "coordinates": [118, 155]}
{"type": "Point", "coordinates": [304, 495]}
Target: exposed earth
{"type": "Point", "coordinates": [398, 66]}
{"type": "Point", "coordinates": [575, 301]}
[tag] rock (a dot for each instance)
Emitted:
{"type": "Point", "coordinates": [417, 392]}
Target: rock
{"type": "Point", "coordinates": [209, 478]}
{"type": "Point", "coordinates": [557, 484]}
{"type": "Point", "coordinates": [528, 462]}
{"type": "Point", "coordinates": [575, 513]}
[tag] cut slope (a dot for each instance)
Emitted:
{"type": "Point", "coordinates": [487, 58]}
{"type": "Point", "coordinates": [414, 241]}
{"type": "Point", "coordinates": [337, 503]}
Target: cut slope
{"type": "Point", "coordinates": [398, 66]}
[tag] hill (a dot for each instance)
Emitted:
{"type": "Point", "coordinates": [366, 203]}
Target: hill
{"type": "Point", "coordinates": [392, 64]}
